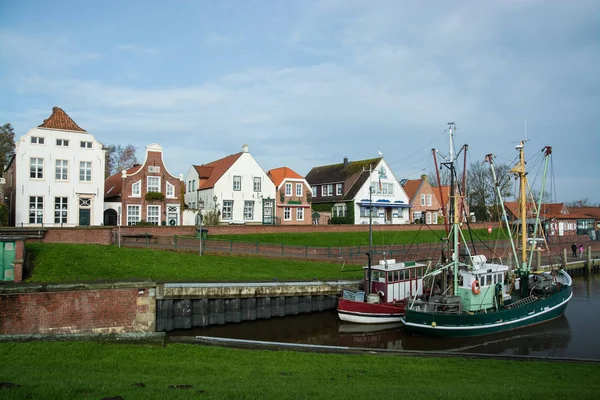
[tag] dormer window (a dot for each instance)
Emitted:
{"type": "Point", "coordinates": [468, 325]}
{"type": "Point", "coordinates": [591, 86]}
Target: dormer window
{"type": "Point", "coordinates": [62, 143]}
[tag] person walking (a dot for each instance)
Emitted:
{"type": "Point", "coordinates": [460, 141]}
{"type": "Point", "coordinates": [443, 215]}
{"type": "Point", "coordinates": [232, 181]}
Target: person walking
{"type": "Point", "coordinates": [574, 249]}
{"type": "Point", "coordinates": [580, 250]}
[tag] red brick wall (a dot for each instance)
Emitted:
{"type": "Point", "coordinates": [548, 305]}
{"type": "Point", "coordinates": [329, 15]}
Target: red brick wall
{"type": "Point", "coordinates": [279, 206]}
{"type": "Point", "coordinates": [91, 235]}
{"type": "Point", "coordinates": [85, 311]}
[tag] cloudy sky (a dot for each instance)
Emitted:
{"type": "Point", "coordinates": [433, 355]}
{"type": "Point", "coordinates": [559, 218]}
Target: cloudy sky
{"type": "Point", "coordinates": [307, 83]}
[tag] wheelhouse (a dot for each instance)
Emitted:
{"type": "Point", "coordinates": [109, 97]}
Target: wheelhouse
{"type": "Point", "coordinates": [394, 281]}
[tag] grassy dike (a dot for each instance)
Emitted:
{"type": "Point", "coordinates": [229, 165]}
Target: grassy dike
{"type": "Point", "coordinates": [83, 370]}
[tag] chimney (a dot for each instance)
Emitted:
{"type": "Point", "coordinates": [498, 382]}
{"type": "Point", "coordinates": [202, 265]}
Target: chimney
{"type": "Point", "coordinates": [245, 148]}
{"type": "Point", "coordinates": [424, 178]}
{"type": "Point", "coordinates": [346, 162]}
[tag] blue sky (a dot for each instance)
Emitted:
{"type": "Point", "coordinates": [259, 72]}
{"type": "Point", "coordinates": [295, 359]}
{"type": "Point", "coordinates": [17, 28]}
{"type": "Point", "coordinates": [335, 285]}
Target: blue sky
{"type": "Point", "coordinates": [307, 83]}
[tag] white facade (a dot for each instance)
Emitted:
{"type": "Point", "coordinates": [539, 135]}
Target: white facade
{"type": "Point", "coordinates": [59, 179]}
{"type": "Point", "coordinates": [191, 185]}
{"type": "Point", "coordinates": [390, 204]}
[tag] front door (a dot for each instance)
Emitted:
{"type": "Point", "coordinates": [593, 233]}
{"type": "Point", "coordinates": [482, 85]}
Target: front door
{"type": "Point", "coordinates": [84, 217]}
{"type": "Point", "coordinates": [268, 211]}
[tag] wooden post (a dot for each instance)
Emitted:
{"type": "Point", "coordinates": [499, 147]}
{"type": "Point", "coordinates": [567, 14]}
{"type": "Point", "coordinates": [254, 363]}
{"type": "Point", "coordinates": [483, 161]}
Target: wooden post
{"type": "Point", "coordinates": [589, 260]}
{"type": "Point", "coordinates": [564, 257]}
{"type": "Point", "coordinates": [538, 260]}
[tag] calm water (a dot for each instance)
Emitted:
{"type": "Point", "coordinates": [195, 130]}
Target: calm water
{"type": "Point", "coordinates": [575, 335]}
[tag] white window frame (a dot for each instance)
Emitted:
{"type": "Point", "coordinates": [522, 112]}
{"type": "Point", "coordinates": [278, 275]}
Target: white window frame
{"type": "Point", "coordinates": [227, 210]}
{"type": "Point", "coordinates": [257, 184]}
{"type": "Point", "coordinates": [422, 200]}
{"type": "Point", "coordinates": [288, 189]}
{"type": "Point", "coordinates": [134, 214]}
{"type": "Point", "coordinates": [429, 199]}
{"type": "Point", "coordinates": [428, 218]}
{"type": "Point", "coordinates": [154, 185]}
{"type": "Point", "coordinates": [61, 169]}
{"type": "Point", "coordinates": [36, 168]}
{"type": "Point", "coordinates": [136, 189]}
{"type": "Point", "coordinates": [340, 210]}
{"type": "Point", "coordinates": [37, 140]}
{"type": "Point", "coordinates": [62, 142]}
{"type": "Point", "coordinates": [155, 217]}
{"type": "Point", "coordinates": [298, 190]}
{"type": "Point", "coordinates": [85, 145]}
{"type": "Point", "coordinates": [36, 203]}
{"type": "Point", "coordinates": [248, 210]}
{"type": "Point", "coordinates": [299, 214]}
{"type": "Point", "coordinates": [85, 171]}
{"type": "Point", "coordinates": [61, 210]}
{"type": "Point", "coordinates": [237, 183]}
{"type": "Point", "coordinates": [314, 191]}
{"type": "Point", "coordinates": [338, 189]}
{"type": "Point", "coordinates": [170, 190]}
{"type": "Point", "coordinates": [287, 213]}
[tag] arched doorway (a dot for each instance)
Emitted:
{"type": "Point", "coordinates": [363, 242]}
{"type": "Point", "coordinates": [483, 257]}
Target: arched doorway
{"type": "Point", "coordinates": [110, 217]}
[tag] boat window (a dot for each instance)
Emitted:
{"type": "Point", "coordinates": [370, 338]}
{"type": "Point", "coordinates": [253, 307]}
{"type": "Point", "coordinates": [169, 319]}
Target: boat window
{"type": "Point", "coordinates": [401, 275]}
{"type": "Point", "coordinates": [495, 279]}
{"type": "Point", "coordinates": [460, 280]}
{"type": "Point", "coordinates": [413, 273]}
{"type": "Point", "coordinates": [390, 276]}
{"type": "Point", "coordinates": [420, 272]}
{"type": "Point", "coordinates": [482, 283]}
{"type": "Point", "coordinates": [396, 276]}
{"type": "Point", "coordinates": [375, 275]}
{"type": "Point", "coordinates": [499, 278]}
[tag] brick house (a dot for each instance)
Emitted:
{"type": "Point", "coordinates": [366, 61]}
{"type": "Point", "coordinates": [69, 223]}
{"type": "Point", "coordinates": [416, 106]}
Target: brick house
{"type": "Point", "coordinates": [555, 217]}
{"type": "Point", "coordinates": [146, 192]}
{"type": "Point", "coordinates": [349, 191]}
{"type": "Point", "coordinates": [443, 196]}
{"type": "Point", "coordinates": [56, 175]}
{"type": "Point", "coordinates": [292, 201]}
{"type": "Point", "coordinates": [425, 206]}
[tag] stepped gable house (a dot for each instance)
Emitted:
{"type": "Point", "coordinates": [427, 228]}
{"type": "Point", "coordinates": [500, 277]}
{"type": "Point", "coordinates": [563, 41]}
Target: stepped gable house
{"type": "Point", "coordinates": [235, 187]}
{"type": "Point", "coordinates": [146, 192]}
{"type": "Point", "coordinates": [56, 176]}
{"type": "Point", "coordinates": [343, 189]}
{"type": "Point", "coordinates": [292, 201]}
{"type": "Point", "coordinates": [425, 207]}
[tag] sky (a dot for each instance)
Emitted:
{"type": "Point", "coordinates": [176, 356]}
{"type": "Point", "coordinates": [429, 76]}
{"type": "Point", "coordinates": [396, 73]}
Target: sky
{"type": "Point", "coordinates": [308, 82]}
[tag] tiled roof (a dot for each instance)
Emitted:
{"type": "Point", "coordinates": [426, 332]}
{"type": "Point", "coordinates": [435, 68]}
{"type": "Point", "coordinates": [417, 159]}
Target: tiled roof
{"type": "Point", "coordinates": [445, 194]}
{"type": "Point", "coordinates": [277, 175]}
{"type": "Point", "coordinates": [593, 212]}
{"type": "Point", "coordinates": [210, 173]}
{"type": "Point", "coordinates": [549, 210]}
{"type": "Point", "coordinates": [112, 184]}
{"type": "Point", "coordinates": [61, 121]}
{"type": "Point", "coordinates": [411, 188]}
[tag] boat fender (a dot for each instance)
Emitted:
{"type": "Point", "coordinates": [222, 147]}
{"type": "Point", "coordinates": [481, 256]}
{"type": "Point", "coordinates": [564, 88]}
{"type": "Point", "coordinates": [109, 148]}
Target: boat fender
{"type": "Point", "coordinates": [433, 324]}
{"type": "Point", "coordinates": [475, 287]}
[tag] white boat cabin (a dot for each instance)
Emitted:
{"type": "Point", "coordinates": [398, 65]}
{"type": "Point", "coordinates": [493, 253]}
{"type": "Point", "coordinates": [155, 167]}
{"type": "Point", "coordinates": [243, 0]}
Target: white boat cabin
{"type": "Point", "coordinates": [478, 286]}
{"type": "Point", "coordinates": [394, 281]}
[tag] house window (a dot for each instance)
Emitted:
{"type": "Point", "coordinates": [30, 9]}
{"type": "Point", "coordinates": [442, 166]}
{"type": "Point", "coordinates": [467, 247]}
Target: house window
{"type": "Point", "coordinates": [339, 210]}
{"type": "Point", "coordinates": [154, 184]}
{"type": "Point", "coordinates": [429, 200]}
{"type": "Point", "coordinates": [189, 186]}
{"type": "Point", "coordinates": [248, 210]}
{"type": "Point", "coordinates": [85, 171]}
{"type": "Point", "coordinates": [153, 216]}
{"type": "Point", "coordinates": [257, 184]}
{"type": "Point", "coordinates": [314, 191]}
{"type": "Point", "coordinates": [338, 189]}
{"type": "Point", "coordinates": [36, 168]}
{"type": "Point", "coordinates": [60, 210]}
{"type": "Point", "coordinates": [327, 190]}
{"type": "Point", "coordinates": [227, 211]}
{"type": "Point", "coordinates": [36, 209]}
{"type": "Point", "coordinates": [435, 218]}
{"type": "Point", "coordinates": [390, 189]}
{"type": "Point", "coordinates": [365, 211]}
{"type": "Point", "coordinates": [85, 145]}
{"type": "Point", "coordinates": [193, 185]}
{"type": "Point", "coordinates": [85, 202]}
{"type": "Point", "coordinates": [237, 182]}
{"type": "Point", "coordinates": [422, 199]}
{"type": "Point", "coordinates": [299, 214]}
{"type": "Point", "coordinates": [428, 216]}
{"type": "Point", "coordinates": [417, 216]}
{"type": "Point", "coordinates": [288, 189]}
{"type": "Point", "coordinates": [136, 189]}
{"type": "Point", "coordinates": [170, 190]}
{"type": "Point", "coordinates": [133, 214]}
{"type": "Point", "coordinates": [62, 168]}
{"type": "Point", "coordinates": [287, 213]}
{"type": "Point", "coordinates": [298, 189]}
{"type": "Point", "coordinates": [62, 142]}
{"type": "Point", "coordinates": [37, 140]}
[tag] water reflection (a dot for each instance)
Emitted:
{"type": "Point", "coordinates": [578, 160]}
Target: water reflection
{"type": "Point", "coordinates": [572, 335]}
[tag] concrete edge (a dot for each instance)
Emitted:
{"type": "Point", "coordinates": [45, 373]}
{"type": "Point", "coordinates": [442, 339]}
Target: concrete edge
{"type": "Point", "coordinates": [157, 338]}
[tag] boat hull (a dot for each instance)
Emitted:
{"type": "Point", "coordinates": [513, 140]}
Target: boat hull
{"type": "Point", "coordinates": [465, 325]}
{"type": "Point", "coordinates": [370, 313]}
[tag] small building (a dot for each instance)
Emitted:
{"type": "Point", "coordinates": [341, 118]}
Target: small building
{"type": "Point", "coordinates": [56, 176]}
{"type": "Point", "coordinates": [145, 192]}
{"type": "Point", "coordinates": [292, 202]}
{"type": "Point", "coordinates": [354, 190]}
{"type": "Point", "coordinates": [425, 206]}
{"type": "Point", "coordinates": [235, 188]}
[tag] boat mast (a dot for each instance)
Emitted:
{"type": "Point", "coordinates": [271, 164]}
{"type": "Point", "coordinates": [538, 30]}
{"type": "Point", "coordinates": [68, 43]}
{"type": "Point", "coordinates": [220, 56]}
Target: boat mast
{"type": "Point", "coordinates": [368, 288]}
{"type": "Point", "coordinates": [519, 170]}
{"type": "Point", "coordinates": [547, 151]}
{"type": "Point", "coordinates": [454, 205]}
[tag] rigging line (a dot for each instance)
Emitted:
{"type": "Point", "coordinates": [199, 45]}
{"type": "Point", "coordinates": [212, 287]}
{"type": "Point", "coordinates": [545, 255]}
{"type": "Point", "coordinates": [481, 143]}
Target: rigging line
{"type": "Point", "coordinates": [427, 158]}
{"type": "Point", "coordinates": [427, 147]}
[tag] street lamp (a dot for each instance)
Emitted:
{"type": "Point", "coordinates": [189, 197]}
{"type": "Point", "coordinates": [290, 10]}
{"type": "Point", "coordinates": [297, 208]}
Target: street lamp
{"type": "Point", "coordinates": [200, 204]}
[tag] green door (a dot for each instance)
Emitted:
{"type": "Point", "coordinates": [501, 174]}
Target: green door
{"type": "Point", "coordinates": [7, 257]}
{"type": "Point", "coordinates": [84, 217]}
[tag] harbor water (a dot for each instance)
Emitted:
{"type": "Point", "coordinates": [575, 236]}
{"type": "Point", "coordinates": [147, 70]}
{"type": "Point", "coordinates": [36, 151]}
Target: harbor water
{"type": "Point", "coordinates": [574, 335]}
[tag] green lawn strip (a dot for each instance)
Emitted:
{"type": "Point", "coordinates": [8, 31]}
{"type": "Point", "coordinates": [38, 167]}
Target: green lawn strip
{"type": "Point", "coordinates": [83, 263]}
{"type": "Point", "coordinates": [343, 239]}
{"type": "Point", "coordinates": [52, 370]}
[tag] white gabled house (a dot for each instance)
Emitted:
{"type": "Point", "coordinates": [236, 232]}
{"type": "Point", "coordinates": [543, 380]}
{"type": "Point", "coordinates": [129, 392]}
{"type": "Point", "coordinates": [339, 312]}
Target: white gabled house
{"type": "Point", "coordinates": [56, 177]}
{"type": "Point", "coordinates": [235, 186]}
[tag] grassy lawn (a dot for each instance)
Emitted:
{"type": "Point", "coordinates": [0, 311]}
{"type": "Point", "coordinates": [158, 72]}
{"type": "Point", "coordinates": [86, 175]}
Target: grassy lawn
{"type": "Point", "coordinates": [327, 239]}
{"type": "Point", "coordinates": [84, 263]}
{"type": "Point", "coordinates": [80, 370]}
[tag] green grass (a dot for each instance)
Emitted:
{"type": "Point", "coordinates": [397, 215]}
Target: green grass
{"type": "Point", "coordinates": [79, 370]}
{"type": "Point", "coordinates": [84, 263]}
{"type": "Point", "coordinates": [336, 239]}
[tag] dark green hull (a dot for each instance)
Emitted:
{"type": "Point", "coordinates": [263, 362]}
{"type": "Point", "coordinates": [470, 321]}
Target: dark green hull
{"type": "Point", "coordinates": [464, 325]}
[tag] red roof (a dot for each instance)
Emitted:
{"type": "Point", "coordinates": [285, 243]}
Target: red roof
{"type": "Point", "coordinates": [210, 173]}
{"type": "Point", "coordinates": [277, 175]}
{"type": "Point", "coordinates": [112, 184]}
{"type": "Point", "coordinates": [61, 121]}
{"type": "Point", "coordinates": [411, 187]}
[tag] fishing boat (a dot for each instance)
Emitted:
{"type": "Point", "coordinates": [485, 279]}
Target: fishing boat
{"type": "Point", "coordinates": [386, 287]}
{"type": "Point", "coordinates": [486, 297]}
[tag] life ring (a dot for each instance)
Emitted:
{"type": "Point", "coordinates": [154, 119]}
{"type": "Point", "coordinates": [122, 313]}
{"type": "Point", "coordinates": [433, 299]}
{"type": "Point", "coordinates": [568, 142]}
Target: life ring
{"type": "Point", "coordinates": [475, 287]}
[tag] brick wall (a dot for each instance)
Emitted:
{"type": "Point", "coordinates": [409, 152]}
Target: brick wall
{"type": "Point", "coordinates": [82, 311]}
{"type": "Point", "coordinates": [92, 235]}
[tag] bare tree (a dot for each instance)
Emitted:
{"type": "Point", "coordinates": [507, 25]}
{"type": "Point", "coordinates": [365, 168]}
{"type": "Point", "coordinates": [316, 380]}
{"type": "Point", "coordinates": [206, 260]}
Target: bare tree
{"type": "Point", "coordinates": [119, 158]}
{"type": "Point", "coordinates": [585, 202]}
{"type": "Point", "coordinates": [483, 198]}
{"type": "Point", "coordinates": [7, 145]}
